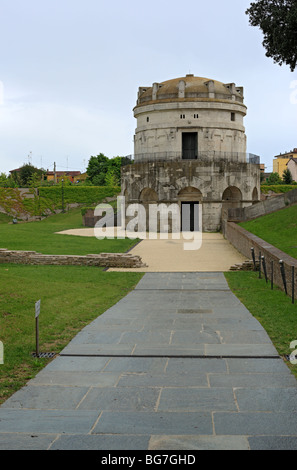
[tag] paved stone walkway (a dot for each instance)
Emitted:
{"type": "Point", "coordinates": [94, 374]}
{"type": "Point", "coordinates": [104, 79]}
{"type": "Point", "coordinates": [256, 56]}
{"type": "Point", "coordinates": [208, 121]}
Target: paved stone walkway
{"type": "Point", "coordinates": [216, 254]}
{"type": "Point", "coordinates": [178, 364]}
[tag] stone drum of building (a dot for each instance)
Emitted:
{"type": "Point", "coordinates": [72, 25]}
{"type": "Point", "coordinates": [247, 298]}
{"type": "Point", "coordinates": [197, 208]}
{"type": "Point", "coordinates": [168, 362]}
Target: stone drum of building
{"type": "Point", "coordinates": [190, 151]}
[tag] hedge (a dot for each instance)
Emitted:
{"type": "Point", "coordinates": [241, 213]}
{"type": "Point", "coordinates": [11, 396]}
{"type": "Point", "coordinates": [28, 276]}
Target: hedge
{"type": "Point", "coordinates": [277, 188]}
{"type": "Point", "coordinates": [48, 199]}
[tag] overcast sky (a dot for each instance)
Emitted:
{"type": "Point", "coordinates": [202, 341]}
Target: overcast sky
{"type": "Point", "coordinates": [70, 72]}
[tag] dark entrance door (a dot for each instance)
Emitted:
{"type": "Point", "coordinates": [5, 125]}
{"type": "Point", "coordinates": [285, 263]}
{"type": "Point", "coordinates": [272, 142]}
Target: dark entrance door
{"type": "Point", "coordinates": [190, 216]}
{"type": "Point", "coordinates": [189, 145]}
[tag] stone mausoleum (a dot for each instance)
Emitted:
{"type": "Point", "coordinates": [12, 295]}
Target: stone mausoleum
{"type": "Point", "coordinates": [190, 149]}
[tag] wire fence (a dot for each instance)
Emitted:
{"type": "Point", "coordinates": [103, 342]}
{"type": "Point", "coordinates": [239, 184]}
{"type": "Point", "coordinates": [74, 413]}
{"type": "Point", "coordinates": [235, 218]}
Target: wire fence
{"type": "Point", "coordinates": [207, 157]}
{"type": "Point", "coordinates": [270, 271]}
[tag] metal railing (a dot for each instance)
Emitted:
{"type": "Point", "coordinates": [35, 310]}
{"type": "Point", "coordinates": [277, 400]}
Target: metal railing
{"type": "Point", "coordinates": [207, 156]}
{"type": "Point", "coordinates": [261, 264]}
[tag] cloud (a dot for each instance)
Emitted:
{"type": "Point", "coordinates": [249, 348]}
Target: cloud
{"type": "Point", "coordinates": [56, 130]}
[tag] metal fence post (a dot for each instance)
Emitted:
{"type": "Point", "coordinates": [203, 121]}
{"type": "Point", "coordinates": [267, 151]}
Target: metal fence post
{"type": "Point", "coordinates": [264, 267]}
{"type": "Point", "coordinates": [259, 264]}
{"type": "Point", "coordinates": [293, 284]}
{"type": "Point", "coordinates": [254, 259]}
{"type": "Point", "coordinates": [271, 275]}
{"type": "Point", "coordinates": [282, 269]}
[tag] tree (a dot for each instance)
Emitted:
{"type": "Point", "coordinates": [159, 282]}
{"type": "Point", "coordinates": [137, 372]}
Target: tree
{"type": "Point", "coordinates": [278, 21]}
{"type": "Point", "coordinates": [27, 174]}
{"type": "Point", "coordinates": [111, 178]}
{"type": "Point", "coordinates": [97, 169]}
{"type": "Point", "coordinates": [287, 176]}
{"type": "Point", "coordinates": [274, 178]}
{"type": "Point", "coordinates": [104, 171]}
{"type": "Point", "coordinates": [6, 181]}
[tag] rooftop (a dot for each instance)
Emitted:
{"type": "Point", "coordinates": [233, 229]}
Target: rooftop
{"type": "Point", "coordinates": [189, 88]}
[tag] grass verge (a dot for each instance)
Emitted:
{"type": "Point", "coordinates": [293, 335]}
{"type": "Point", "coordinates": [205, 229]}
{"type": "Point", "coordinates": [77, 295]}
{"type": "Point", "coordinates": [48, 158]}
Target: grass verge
{"type": "Point", "coordinates": [272, 308]}
{"type": "Point", "coordinates": [278, 229]}
{"type": "Point", "coordinates": [42, 237]}
{"type": "Point", "coordinates": [71, 297]}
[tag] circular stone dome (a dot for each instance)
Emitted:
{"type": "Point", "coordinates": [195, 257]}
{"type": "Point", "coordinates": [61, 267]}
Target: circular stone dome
{"type": "Point", "coordinates": [189, 88]}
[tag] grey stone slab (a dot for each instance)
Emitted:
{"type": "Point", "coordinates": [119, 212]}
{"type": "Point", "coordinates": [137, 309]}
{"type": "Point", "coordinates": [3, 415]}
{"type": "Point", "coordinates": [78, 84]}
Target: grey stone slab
{"type": "Point", "coordinates": [101, 442]}
{"type": "Point", "coordinates": [103, 337]}
{"type": "Point", "coordinates": [19, 441]}
{"type": "Point", "coordinates": [87, 379]}
{"type": "Point", "coordinates": [180, 442]}
{"type": "Point", "coordinates": [109, 321]}
{"type": "Point", "coordinates": [185, 337]}
{"type": "Point", "coordinates": [194, 311]}
{"type": "Point", "coordinates": [47, 421]}
{"type": "Point", "coordinates": [121, 399]}
{"type": "Point", "coordinates": [154, 423]}
{"type": "Point", "coordinates": [159, 322]}
{"type": "Point", "coordinates": [196, 366]}
{"type": "Point", "coordinates": [233, 324]}
{"type": "Point", "coordinates": [102, 327]}
{"type": "Point", "coordinates": [182, 280]}
{"type": "Point", "coordinates": [143, 337]}
{"type": "Point", "coordinates": [218, 315]}
{"type": "Point", "coordinates": [181, 379]}
{"type": "Point", "coordinates": [170, 350]}
{"type": "Point", "coordinates": [251, 350]}
{"type": "Point", "coordinates": [273, 443]}
{"type": "Point", "coordinates": [54, 397]}
{"type": "Point", "coordinates": [197, 399]}
{"type": "Point", "coordinates": [77, 364]}
{"type": "Point", "coordinates": [251, 380]}
{"type": "Point", "coordinates": [268, 366]}
{"type": "Point", "coordinates": [267, 399]}
{"type": "Point", "coordinates": [94, 349]}
{"type": "Point", "coordinates": [244, 337]}
{"type": "Point", "coordinates": [256, 423]}
{"type": "Point", "coordinates": [136, 364]}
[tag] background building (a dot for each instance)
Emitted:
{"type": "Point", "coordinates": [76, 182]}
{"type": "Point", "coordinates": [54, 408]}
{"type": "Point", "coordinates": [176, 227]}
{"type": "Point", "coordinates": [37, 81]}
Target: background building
{"type": "Point", "coordinates": [280, 161]}
{"type": "Point", "coordinates": [292, 166]}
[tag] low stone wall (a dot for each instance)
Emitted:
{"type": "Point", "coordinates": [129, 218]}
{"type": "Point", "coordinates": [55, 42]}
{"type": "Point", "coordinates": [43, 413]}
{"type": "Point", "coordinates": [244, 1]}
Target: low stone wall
{"type": "Point", "coordinates": [243, 241]}
{"type": "Point", "coordinates": [105, 260]}
{"type": "Point", "coordinates": [272, 204]}
{"type": "Point", "coordinates": [90, 220]}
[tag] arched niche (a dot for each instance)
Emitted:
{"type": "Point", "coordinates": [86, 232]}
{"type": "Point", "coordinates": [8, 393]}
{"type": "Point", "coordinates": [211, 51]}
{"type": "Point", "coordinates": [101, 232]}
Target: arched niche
{"type": "Point", "coordinates": [148, 195]}
{"type": "Point", "coordinates": [255, 196]}
{"type": "Point", "coordinates": [232, 194]}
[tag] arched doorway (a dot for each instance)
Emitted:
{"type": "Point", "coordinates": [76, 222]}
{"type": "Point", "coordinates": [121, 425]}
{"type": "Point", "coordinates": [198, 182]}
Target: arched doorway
{"type": "Point", "coordinates": [231, 198]}
{"type": "Point", "coordinates": [189, 199]}
{"type": "Point", "coordinates": [255, 197]}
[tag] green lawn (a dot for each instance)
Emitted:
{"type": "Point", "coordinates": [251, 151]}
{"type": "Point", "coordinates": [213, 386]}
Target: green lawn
{"type": "Point", "coordinates": [272, 308]}
{"type": "Point", "coordinates": [71, 297]}
{"type": "Point", "coordinates": [278, 228]}
{"type": "Point", "coordinates": [41, 237]}
{"type": "Point", "coordinates": [4, 218]}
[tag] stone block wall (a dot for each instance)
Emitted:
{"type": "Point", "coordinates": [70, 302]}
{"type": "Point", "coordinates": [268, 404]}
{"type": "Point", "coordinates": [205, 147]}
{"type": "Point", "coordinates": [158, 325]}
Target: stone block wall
{"type": "Point", "coordinates": [268, 206]}
{"type": "Point", "coordinates": [243, 241]}
{"type": "Point", "coordinates": [90, 220]}
{"type": "Point", "coordinates": [105, 260]}
{"type": "Point", "coordinates": [167, 180]}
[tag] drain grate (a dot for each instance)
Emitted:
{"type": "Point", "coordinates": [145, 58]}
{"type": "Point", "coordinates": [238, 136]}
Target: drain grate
{"type": "Point", "coordinates": [197, 310]}
{"type": "Point", "coordinates": [46, 355]}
